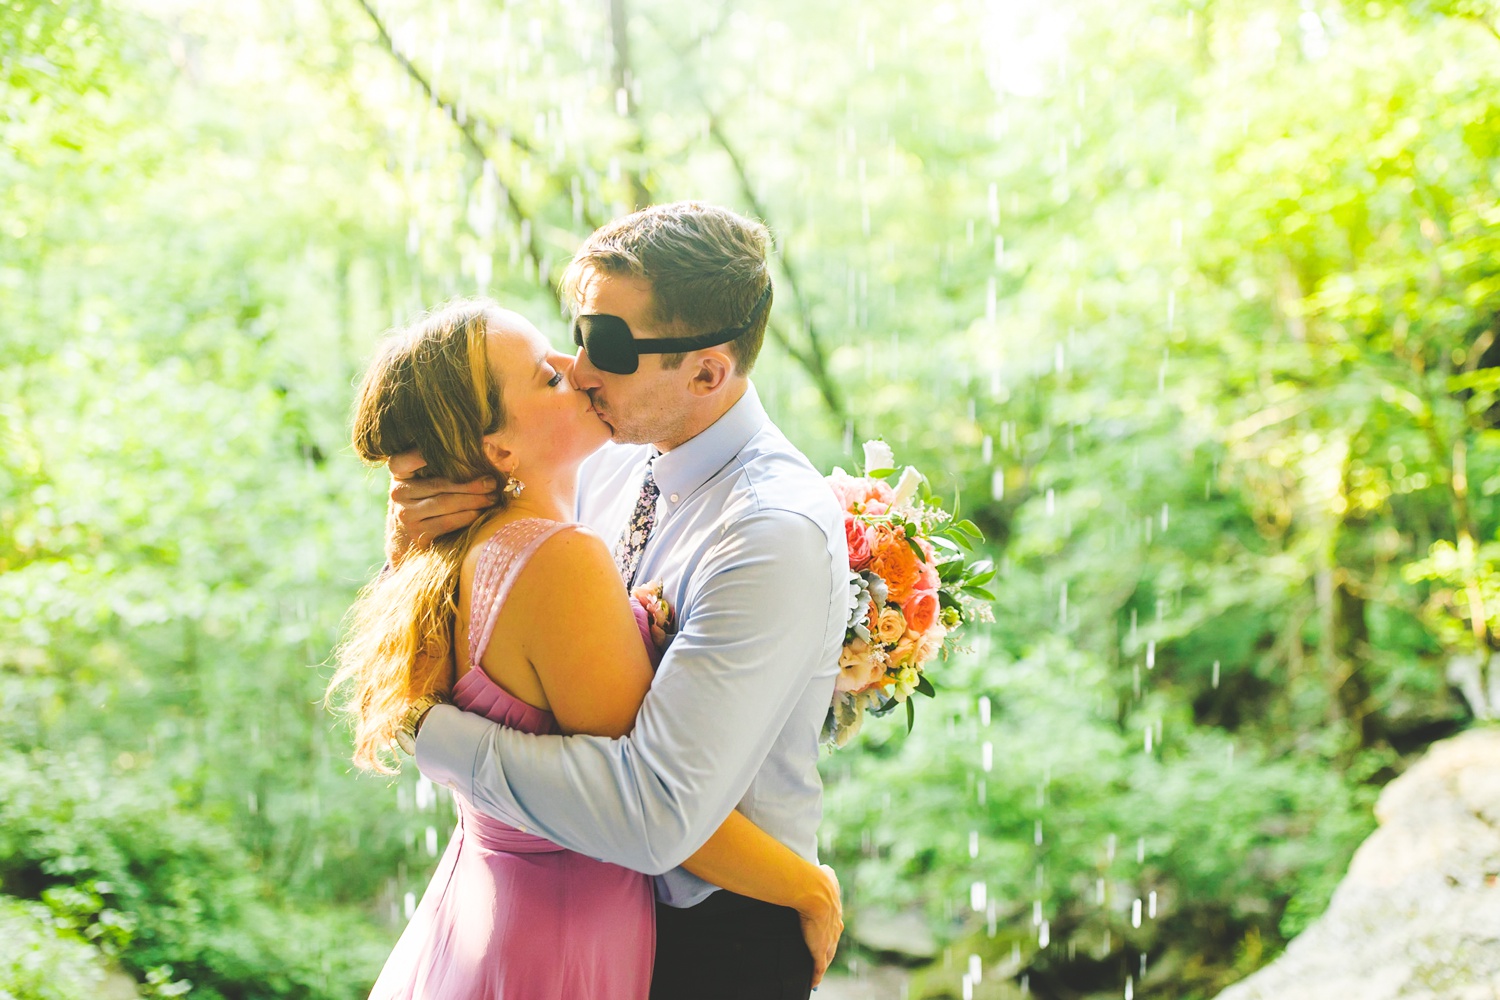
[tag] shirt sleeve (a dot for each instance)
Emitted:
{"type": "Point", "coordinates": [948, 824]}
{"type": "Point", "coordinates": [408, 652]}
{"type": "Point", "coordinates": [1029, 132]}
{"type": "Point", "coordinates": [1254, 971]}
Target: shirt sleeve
{"type": "Point", "coordinates": [725, 689]}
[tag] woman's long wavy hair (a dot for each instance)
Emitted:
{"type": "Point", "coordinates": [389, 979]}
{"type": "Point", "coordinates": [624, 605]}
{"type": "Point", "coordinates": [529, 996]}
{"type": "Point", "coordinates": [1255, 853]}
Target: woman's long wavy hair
{"type": "Point", "coordinates": [430, 390]}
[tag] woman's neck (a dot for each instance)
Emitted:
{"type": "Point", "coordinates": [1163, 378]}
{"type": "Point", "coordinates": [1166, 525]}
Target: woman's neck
{"type": "Point", "coordinates": [553, 497]}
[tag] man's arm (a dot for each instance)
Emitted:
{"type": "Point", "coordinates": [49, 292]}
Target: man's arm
{"type": "Point", "coordinates": [721, 697]}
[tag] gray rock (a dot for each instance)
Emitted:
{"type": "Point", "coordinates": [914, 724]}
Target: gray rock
{"type": "Point", "coordinates": [1418, 915]}
{"type": "Point", "coordinates": [903, 934]}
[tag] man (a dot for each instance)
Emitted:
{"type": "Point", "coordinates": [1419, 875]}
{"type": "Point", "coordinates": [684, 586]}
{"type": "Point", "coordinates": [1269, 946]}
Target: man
{"type": "Point", "coordinates": [707, 496]}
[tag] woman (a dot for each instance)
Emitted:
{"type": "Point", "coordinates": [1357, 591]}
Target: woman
{"type": "Point", "coordinates": [548, 641]}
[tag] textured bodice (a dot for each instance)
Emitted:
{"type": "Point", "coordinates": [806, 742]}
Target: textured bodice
{"type": "Point", "coordinates": [504, 555]}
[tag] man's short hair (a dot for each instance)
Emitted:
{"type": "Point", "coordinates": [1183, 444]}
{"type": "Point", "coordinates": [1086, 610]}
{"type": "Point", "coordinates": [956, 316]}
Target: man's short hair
{"type": "Point", "coordinates": [706, 267]}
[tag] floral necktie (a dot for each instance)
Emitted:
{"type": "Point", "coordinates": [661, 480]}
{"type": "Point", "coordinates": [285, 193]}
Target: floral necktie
{"type": "Point", "coordinates": [628, 549]}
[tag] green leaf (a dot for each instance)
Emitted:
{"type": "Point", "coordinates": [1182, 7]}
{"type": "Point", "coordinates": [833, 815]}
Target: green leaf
{"type": "Point", "coordinates": [879, 473]}
{"type": "Point", "coordinates": [911, 715]}
{"type": "Point", "coordinates": [924, 686]}
{"type": "Point", "coordinates": [979, 592]}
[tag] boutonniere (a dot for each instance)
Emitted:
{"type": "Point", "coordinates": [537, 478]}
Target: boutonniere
{"type": "Point", "coordinates": [659, 614]}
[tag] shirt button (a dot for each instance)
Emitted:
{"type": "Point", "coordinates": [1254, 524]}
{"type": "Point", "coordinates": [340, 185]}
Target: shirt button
{"type": "Point", "coordinates": [673, 498]}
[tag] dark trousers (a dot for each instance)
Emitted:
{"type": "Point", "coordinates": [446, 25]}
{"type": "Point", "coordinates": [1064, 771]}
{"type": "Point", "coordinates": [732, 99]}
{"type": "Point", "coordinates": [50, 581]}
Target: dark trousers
{"type": "Point", "coordinates": [730, 947]}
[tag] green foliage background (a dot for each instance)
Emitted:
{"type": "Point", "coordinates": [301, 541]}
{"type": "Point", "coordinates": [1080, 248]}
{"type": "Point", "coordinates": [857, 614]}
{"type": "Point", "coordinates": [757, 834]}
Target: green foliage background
{"type": "Point", "coordinates": [1192, 302]}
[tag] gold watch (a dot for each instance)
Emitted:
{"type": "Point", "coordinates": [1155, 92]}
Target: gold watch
{"type": "Point", "coordinates": [406, 736]}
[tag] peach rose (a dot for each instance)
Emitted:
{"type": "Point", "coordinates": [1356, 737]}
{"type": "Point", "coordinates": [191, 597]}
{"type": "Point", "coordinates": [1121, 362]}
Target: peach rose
{"type": "Point", "coordinates": [891, 626]}
{"type": "Point", "coordinates": [860, 665]}
{"type": "Point", "coordinates": [895, 563]}
{"type": "Point", "coordinates": [858, 537]}
{"type": "Point", "coordinates": [931, 644]}
{"type": "Point", "coordinates": [921, 610]}
{"type": "Point", "coordinates": [855, 492]}
{"type": "Point", "coordinates": [905, 653]}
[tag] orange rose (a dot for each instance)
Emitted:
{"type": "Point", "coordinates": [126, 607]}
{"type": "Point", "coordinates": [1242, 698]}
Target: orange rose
{"type": "Point", "coordinates": [895, 563]}
{"type": "Point", "coordinates": [921, 610]}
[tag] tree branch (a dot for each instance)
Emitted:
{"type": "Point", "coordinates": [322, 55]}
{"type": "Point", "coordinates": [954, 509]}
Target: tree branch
{"type": "Point", "coordinates": [812, 357]}
{"type": "Point", "coordinates": [1484, 23]}
{"type": "Point", "coordinates": [619, 34]}
{"type": "Point", "coordinates": [466, 128]}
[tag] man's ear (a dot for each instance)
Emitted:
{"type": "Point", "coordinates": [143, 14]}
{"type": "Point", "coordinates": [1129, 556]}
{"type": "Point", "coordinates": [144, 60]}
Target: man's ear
{"type": "Point", "coordinates": [712, 368]}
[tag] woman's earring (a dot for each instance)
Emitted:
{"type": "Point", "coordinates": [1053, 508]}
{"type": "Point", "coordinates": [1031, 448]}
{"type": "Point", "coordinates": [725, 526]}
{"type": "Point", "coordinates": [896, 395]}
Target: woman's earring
{"type": "Point", "coordinates": [512, 487]}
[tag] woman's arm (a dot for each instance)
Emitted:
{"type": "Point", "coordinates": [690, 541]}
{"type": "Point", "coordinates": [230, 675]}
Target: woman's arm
{"type": "Point", "coordinates": [595, 674]}
{"type": "Point", "coordinates": [743, 858]}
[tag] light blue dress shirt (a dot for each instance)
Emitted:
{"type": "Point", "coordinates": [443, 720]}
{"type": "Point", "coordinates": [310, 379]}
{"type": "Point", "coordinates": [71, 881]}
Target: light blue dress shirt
{"type": "Point", "coordinates": [749, 545]}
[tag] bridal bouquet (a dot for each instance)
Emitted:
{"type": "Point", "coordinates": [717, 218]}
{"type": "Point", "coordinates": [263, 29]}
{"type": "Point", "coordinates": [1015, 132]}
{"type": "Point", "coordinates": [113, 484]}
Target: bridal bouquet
{"type": "Point", "coordinates": [912, 589]}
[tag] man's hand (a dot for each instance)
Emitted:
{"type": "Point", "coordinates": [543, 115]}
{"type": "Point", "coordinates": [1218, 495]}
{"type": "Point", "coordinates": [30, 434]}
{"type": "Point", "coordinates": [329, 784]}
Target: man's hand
{"type": "Point", "coordinates": [422, 508]}
{"type": "Point", "coordinates": [823, 923]}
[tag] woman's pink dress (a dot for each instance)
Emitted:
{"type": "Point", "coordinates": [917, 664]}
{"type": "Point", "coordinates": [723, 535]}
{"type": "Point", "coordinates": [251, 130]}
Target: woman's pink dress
{"type": "Point", "coordinates": [509, 914]}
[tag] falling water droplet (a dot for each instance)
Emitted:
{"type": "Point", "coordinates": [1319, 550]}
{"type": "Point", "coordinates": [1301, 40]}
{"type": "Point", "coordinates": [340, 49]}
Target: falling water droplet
{"type": "Point", "coordinates": [1151, 654]}
{"type": "Point", "coordinates": [978, 893]}
{"type": "Point", "coordinates": [432, 843]}
{"type": "Point", "coordinates": [1036, 836]}
{"type": "Point", "coordinates": [1099, 891]}
{"type": "Point", "coordinates": [973, 843]}
{"type": "Point", "coordinates": [997, 484]}
{"type": "Point", "coordinates": [409, 904]}
{"type": "Point", "coordinates": [1150, 910]}
{"type": "Point", "coordinates": [1051, 502]}
{"type": "Point", "coordinates": [1129, 988]}
{"type": "Point", "coordinates": [986, 449]}
{"type": "Point", "coordinates": [968, 988]}
{"type": "Point", "coordinates": [976, 968]}
{"type": "Point", "coordinates": [1135, 913]}
{"type": "Point", "coordinates": [1216, 675]}
{"type": "Point", "coordinates": [984, 710]}
{"type": "Point", "coordinates": [1148, 739]}
{"type": "Point", "coordinates": [1044, 935]}
{"type": "Point", "coordinates": [987, 756]}
{"type": "Point", "coordinates": [1140, 850]}
{"type": "Point", "coordinates": [1164, 516]}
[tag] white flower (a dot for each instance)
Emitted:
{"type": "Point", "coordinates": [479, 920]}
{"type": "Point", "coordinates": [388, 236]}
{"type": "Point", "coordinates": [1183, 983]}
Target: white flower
{"type": "Point", "coordinates": [878, 455]}
{"type": "Point", "coordinates": [907, 487]}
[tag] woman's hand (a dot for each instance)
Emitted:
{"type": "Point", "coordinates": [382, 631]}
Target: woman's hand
{"type": "Point", "coordinates": [822, 915]}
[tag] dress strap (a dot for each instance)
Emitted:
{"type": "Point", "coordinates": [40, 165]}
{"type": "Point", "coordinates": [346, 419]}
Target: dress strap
{"type": "Point", "coordinates": [504, 555]}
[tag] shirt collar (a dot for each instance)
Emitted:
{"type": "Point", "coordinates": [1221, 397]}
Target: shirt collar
{"type": "Point", "coordinates": [682, 470]}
